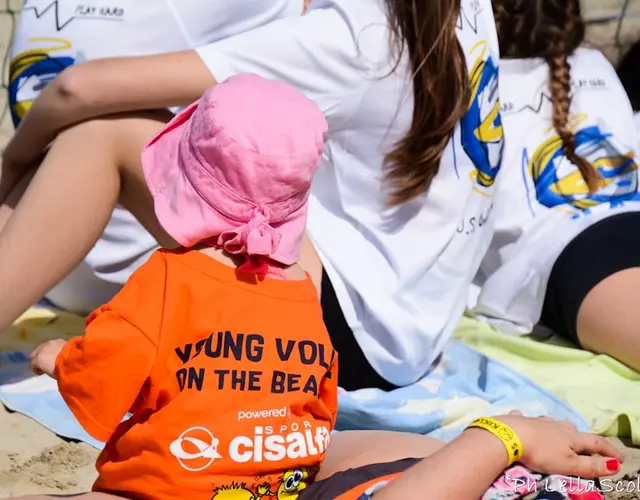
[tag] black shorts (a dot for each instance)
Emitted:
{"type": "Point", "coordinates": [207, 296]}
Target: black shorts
{"type": "Point", "coordinates": [355, 482]}
{"type": "Point", "coordinates": [354, 371]}
{"type": "Point", "coordinates": [603, 249]}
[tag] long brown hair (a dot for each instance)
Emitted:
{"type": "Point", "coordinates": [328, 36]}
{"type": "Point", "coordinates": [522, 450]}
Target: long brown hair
{"type": "Point", "coordinates": [427, 30]}
{"type": "Point", "coordinates": [552, 30]}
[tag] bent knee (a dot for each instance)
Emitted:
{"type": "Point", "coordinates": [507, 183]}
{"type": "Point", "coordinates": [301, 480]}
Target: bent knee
{"type": "Point", "coordinates": [119, 138]}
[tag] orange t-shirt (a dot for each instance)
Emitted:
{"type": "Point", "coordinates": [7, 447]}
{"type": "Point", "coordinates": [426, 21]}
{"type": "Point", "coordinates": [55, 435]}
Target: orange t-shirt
{"type": "Point", "coordinates": [232, 383]}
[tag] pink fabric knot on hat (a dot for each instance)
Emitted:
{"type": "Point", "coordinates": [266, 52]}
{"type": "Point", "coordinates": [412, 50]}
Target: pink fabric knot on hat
{"type": "Point", "coordinates": [256, 240]}
{"type": "Point", "coordinates": [255, 237]}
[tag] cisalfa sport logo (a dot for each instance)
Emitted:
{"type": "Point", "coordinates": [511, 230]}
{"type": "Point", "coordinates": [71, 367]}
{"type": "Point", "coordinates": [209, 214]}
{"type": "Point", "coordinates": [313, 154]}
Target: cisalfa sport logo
{"type": "Point", "coordinates": [196, 449]}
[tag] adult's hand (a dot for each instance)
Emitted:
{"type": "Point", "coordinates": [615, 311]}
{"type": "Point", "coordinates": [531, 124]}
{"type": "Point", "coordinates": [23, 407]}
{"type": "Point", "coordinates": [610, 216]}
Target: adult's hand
{"type": "Point", "coordinates": [553, 447]}
{"type": "Point", "coordinates": [549, 447]}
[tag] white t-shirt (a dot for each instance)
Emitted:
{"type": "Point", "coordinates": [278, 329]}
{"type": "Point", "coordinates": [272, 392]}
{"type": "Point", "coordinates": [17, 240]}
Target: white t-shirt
{"type": "Point", "coordinates": [52, 35]}
{"type": "Point", "coordinates": [637, 120]}
{"type": "Point", "coordinates": [400, 275]}
{"type": "Point", "coordinates": [543, 202]}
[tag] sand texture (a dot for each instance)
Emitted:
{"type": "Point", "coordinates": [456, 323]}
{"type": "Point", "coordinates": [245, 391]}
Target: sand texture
{"type": "Point", "coordinates": [34, 460]}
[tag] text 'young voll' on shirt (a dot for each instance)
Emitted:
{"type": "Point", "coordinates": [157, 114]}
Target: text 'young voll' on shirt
{"type": "Point", "coordinates": [543, 201]}
{"type": "Point", "coordinates": [401, 275]}
{"type": "Point", "coordinates": [231, 383]}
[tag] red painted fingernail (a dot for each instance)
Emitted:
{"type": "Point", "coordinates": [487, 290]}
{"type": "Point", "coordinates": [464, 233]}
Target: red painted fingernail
{"type": "Point", "coordinates": [613, 465]}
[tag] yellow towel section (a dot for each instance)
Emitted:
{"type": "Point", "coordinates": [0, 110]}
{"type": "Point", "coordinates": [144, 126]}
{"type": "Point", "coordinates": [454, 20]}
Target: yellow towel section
{"type": "Point", "coordinates": [605, 392]}
{"type": "Point", "coordinates": [38, 325]}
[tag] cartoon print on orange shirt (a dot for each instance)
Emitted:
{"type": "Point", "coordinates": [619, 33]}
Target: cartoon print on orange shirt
{"type": "Point", "coordinates": [293, 482]}
{"type": "Point", "coordinates": [239, 491]}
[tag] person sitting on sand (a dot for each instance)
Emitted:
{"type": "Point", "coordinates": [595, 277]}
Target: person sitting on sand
{"type": "Point", "coordinates": [565, 248]}
{"type": "Point", "coordinates": [42, 48]}
{"type": "Point", "coordinates": [218, 349]}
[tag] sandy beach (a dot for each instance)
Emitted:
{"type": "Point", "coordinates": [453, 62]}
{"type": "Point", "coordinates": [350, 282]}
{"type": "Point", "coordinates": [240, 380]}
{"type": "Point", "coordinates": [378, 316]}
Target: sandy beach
{"type": "Point", "coordinates": [34, 460]}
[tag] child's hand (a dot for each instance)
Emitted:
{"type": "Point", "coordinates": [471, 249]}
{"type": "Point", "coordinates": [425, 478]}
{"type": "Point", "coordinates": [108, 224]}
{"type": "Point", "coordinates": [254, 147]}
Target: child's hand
{"type": "Point", "coordinates": [553, 447]}
{"type": "Point", "coordinates": [43, 358]}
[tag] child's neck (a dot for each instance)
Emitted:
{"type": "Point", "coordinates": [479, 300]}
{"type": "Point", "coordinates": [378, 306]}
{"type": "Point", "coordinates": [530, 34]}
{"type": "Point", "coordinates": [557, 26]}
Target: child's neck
{"type": "Point", "coordinates": [295, 272]}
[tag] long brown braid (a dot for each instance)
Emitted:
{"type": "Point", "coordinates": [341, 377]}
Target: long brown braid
{"type": "Point", "coordinates": [552, 30]}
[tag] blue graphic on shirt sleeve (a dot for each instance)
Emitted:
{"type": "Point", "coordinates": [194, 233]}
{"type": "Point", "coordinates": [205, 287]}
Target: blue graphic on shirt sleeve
{"type": "Point", "coordinates": [481, 128]}
{"type": "Point", "coordinates": [31, 70]}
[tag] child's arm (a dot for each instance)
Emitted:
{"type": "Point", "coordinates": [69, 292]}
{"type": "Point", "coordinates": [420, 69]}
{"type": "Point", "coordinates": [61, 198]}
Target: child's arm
{"type": "Point", "coordinates": [466, 468]}
{"type": "Point", "coordinates": [102, 373]}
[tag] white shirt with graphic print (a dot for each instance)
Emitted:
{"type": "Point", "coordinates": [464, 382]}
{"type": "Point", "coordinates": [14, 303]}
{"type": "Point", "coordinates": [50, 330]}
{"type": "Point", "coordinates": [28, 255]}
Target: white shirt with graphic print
{"type": "Point", "coordinates": [54, 34]}
{"type": "Point", "coordinates": [543, 202]}
{"type": "Point", "coordinates": [400, 275]}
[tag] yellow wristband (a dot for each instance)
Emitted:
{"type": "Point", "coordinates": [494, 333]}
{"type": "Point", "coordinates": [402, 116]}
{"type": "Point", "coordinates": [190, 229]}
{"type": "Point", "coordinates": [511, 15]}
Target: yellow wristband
{"type": "Point", "coordinates": [504, 433]}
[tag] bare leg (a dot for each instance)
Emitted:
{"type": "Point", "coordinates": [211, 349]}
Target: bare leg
{"type": "Point", "coordinates": [609, 318]}
{"type": "Point", "coordinates": [68, 203]}
{"type": "Point", "coordinates": [351, 449]}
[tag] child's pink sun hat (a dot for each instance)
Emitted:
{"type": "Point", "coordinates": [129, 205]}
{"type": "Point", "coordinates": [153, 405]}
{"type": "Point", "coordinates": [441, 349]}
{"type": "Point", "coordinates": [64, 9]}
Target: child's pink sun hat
{"type": "Point", "coordinates": [234, 169]}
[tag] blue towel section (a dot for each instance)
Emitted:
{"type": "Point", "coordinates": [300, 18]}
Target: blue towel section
{"type": "Point", "coordinates": [463, 385]}
{"type": "Point", "coordinates": [38, 398]}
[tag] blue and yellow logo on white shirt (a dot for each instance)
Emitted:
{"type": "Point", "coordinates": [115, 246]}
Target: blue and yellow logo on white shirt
{"type": "Point", "coordinates": [481, 128]}
{"type": "Point", "coordinates": [31, 70]}
{"type": "Point", "coordinates": [559, 183]}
